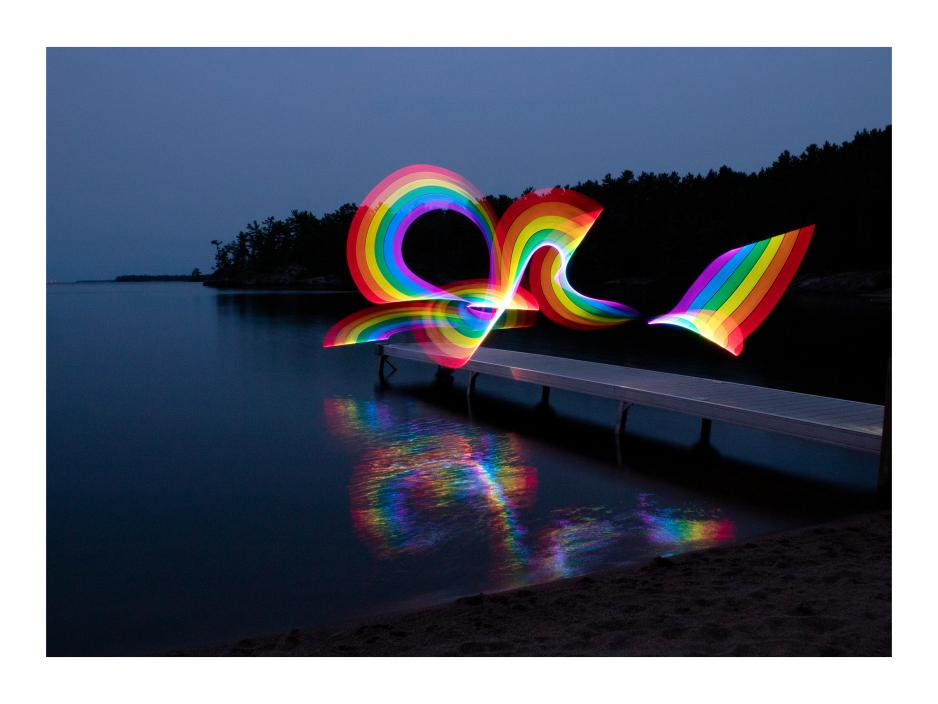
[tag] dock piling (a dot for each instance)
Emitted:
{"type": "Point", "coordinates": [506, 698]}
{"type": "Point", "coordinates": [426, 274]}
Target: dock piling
{"type": "Point", "coordinates": [383, 360]}
{"type": "Point", "coordinates": [545, 396]}
{"type": "Point", "coordinates": [705, 427]}
{"type": "Point", "coordinates": [471, 386]}
{"type": "Point", "coordinates": [623, 416]}
{"type": "Point", "coordinates": [884, 479]}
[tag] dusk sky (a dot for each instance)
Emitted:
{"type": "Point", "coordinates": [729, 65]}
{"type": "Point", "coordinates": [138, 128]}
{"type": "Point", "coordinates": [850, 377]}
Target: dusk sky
{"type": "Point", "coordinates": [153, 153]}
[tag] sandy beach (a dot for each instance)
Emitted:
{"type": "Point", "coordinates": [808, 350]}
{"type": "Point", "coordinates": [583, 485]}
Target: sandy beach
{"type": "Point", "coordinates": [824, 590]}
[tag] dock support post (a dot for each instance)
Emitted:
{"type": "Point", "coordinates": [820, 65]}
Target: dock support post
{"type": "Point", "coordinates": [382, 361]}
{"type": "Point", "coordinates": [622, 417]}
{"type": "Point", "coordinates": [705, 425]}
{"type": "Point", "coordinates": [884, 481]}
{"type": "Point", "coordinates": [545, 396]}
{"type": "Point", "coordinates": [471, 386]}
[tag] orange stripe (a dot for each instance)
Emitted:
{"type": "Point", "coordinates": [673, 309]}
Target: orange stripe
{"type": "Point", "coordinates": [762, 287]}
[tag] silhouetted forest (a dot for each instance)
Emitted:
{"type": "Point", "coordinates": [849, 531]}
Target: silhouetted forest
{"type": "Point", "coordinates": [655, 229]}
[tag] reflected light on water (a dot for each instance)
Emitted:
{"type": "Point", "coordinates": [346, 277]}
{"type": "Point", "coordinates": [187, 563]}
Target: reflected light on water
{"type": "Point", "coordinates": [574, 542]}
{"type": "Point", "coordinates": [419, 484]}
{"type": "Point", "coordinates": [430, 485]}
{"type": "Point", "coordinates": [670, 527]}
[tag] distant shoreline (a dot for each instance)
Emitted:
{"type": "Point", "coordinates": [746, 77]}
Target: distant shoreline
{"type": "Point", "coordinates": [135, 278]}
{"type": "Point", "coordinates": [871, 286]}
{"type": "Point", "coordinates": [138, 278]}
{"type": "Point", "coordinates": [288, 279]}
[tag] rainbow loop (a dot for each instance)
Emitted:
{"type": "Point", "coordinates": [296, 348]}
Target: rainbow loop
{"type": "Point", "coordinates": [538, 233]}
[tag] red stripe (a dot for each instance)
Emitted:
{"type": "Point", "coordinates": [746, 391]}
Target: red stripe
{"type": "Point", "coordinates": [784, 278]}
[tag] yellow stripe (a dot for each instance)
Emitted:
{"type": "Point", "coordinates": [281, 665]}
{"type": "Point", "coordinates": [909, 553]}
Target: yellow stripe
{"type": "Point", "coordinates": [571, 233]}
{"type": "Point", "coordinates": [516, 235]}
{"type": "Point", "coordinates": [748, 283]}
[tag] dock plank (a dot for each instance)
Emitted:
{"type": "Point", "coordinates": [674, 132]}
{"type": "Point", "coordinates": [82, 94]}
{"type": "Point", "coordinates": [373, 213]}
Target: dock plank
{"type": "Point", "coordinates": [834, 421]}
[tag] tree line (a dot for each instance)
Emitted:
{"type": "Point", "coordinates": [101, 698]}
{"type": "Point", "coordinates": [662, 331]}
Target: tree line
{"type": "Point", "coordinates": [660, 227]}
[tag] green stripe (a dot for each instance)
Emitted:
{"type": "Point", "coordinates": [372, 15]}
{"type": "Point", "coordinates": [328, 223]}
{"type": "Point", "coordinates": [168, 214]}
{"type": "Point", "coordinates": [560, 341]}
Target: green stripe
{"type": "Point", "coordinates": [732, 283]}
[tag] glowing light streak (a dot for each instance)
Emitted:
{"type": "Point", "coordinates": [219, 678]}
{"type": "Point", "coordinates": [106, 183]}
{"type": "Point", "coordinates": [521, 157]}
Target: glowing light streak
{"type": "Point", "coordinates": [736, 292]}
{"type": "Point", "coordinates": [538, 233]}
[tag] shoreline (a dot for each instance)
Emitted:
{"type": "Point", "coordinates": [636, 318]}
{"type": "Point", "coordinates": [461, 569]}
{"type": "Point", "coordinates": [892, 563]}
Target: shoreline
{"type": "Point", "coordinates": [821, 590]}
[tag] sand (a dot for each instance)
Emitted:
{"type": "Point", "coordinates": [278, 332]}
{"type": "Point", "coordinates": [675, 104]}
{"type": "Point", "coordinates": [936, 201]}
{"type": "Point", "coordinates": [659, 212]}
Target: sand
{"type": "Point", "coordinates": [825, 590]}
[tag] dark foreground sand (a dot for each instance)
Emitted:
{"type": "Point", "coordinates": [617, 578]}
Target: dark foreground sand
{"type": "Point", "coordinates": [824, 590]}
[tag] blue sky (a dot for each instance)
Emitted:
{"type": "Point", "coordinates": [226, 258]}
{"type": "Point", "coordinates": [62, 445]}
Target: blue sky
{"type": "Point", "coordinates": [152, 153]}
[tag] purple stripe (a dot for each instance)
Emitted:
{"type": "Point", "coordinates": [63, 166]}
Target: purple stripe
{"type": "Point", "coordinates": [705, 279]}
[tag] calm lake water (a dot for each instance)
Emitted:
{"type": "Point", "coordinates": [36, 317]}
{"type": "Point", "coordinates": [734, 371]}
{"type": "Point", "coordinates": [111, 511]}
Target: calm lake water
{"type": "Point", "coordinates": [214, 474]}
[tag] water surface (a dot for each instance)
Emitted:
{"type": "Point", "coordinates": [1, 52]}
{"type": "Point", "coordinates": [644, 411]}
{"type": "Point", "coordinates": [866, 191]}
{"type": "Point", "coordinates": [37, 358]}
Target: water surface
{"type": "Point", "coordinates": [213, 473]}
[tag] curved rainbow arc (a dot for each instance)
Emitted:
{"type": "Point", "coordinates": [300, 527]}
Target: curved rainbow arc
{"type": "Point", "coordinates": [377, 231]}
{"type": "Point", "coordinates": [539, 232]}
{"type": "Point", "coordinates": [738, 289]}
{"type": "Point", "coordinates": [462, 320]}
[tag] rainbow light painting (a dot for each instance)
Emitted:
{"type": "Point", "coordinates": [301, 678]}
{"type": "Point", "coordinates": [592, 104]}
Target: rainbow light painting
{"type": "Point", "coordinates": [739, 289]}
{"type": "Point", "coordinates": [538, 233]}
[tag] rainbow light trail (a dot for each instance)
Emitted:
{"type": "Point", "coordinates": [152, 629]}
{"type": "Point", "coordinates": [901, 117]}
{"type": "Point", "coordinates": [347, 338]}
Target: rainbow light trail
{"type": "Point", "coordinates": [538, 233]}
{"type": "Point", "coordinates": [739, 289]}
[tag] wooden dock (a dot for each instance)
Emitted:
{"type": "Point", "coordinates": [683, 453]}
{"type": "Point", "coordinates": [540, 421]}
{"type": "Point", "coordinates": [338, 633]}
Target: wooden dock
{"type": "Point", "coordinates": [850, 424]}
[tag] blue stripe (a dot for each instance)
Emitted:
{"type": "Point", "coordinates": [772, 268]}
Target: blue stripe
{"type": "Point", "coordinates": [720, 278]}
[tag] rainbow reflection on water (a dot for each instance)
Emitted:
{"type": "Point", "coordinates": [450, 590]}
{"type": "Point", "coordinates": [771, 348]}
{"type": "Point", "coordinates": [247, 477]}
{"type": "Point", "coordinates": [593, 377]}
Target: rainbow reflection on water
{"type": "Point", "coordinates": [420, 484]}
{"type": "Point", "coordinates": [575, 541]}
{"type": "Point", "coordinates": [432, 486]}
{"type": "Point", "coordinates": [669, 527]}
